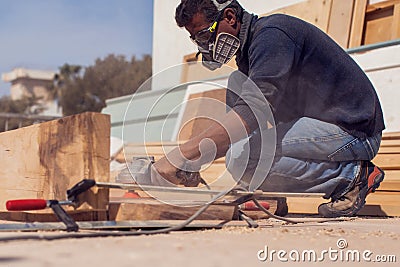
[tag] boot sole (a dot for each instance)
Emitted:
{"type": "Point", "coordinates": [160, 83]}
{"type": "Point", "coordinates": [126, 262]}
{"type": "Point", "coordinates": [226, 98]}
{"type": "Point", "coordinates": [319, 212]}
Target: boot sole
{"type": "Point", "coordinates": [377, 181]}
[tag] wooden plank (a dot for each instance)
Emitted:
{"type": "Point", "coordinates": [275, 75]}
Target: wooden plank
{"type": "Point", "coordinates": [389, 185]}
{"type": "Point", "coordinates": [151, 209]}
{"type": "Point", "coordinates": [392, 175]}
{"type": "Point", "coordinates": [304, 206]}
{"type": "Point", "coordinates": [48, 216]}
{"type": "Point", "coordinates": [340, 21]}
{"type": "Point", "coordinates": [195, 71]}
{"type": "Point", "coordinates": [201, 110]}
{"type": "Point", "coordinates": [382, 22]}
{"type": "Point", "coordinates": [357, 25]}
{"type": "Point", "coordinates": [391, 181]}
{"type": "Point", "coordinates": [378, 27]}
{"type": "Point", "coordinates": [396, 22]}
{"type": "Point", "coordinates": [391, 135]}
{"type": "Point", "coordinates": [191, 109]}
{"type": "Point", "coordinates": [387, 161]}
{"type": "Point", "coordinates": [382, 204]}
{"type": "Point", "coordinates": [212, 109]}
{"type": "Point", "coordinates": [390, 143]}
{"type": "Point", "coordinates": [381, 5]}
{"type": "Point", "coordinates": [389, 150]}
{"type": "Point", "coordinates": [378, 204]}
{"type": "Point", "coordinates": [44, 160]}
{"type": "Point", "coordinates": [316, 12]}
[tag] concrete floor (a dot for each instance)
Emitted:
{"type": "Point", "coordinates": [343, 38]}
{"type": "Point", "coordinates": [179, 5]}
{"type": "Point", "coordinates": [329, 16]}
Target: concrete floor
{"type": "Point", "coordinates": [232, 246]}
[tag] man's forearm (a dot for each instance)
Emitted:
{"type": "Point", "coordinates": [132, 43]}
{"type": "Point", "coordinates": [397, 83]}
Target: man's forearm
{"type": "Point", "coordinates": [231, 129]}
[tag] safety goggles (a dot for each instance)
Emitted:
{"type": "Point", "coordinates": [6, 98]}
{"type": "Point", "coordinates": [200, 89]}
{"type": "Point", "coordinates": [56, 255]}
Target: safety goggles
{"type": "Point", "coordinates": [202, 38]}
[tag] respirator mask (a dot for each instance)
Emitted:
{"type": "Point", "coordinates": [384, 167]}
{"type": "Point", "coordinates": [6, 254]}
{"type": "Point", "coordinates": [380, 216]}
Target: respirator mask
{"type": "Point", "coordinates": [216, 50]}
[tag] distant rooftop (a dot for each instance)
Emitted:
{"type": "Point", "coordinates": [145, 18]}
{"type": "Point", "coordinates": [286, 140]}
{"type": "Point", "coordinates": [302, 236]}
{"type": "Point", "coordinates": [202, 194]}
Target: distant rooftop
{"type": "Point", "coordinates": [27, 73]}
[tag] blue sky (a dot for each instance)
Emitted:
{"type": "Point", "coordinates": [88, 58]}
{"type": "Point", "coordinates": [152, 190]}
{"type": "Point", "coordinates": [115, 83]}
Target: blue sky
{"type": "Point", "coordinates": [45, 34]}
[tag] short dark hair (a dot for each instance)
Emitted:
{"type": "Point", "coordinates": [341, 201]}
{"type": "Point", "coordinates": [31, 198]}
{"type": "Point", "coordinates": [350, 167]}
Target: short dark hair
{"type": "Point", "coordinates": [188, 8]}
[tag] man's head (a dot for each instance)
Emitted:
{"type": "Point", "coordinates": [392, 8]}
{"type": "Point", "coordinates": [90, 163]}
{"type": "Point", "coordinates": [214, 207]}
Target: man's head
{"type": "Point", "coordinates": [206, 21]}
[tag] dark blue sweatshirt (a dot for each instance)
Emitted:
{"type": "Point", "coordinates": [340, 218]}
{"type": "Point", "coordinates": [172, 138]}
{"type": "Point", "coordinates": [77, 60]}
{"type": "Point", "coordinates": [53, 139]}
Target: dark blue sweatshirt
{"type": "Point", "coordinates": [302, 72]}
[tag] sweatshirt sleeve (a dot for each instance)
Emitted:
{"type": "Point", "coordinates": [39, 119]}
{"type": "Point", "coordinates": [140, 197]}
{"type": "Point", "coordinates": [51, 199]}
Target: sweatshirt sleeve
{"type": "Point", "coordinates": [271, 60]}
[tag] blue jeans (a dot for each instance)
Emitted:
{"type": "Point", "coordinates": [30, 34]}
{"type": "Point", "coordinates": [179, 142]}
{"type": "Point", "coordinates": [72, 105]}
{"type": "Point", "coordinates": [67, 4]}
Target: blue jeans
{"type": "Point", "coordinates": [311, 156]}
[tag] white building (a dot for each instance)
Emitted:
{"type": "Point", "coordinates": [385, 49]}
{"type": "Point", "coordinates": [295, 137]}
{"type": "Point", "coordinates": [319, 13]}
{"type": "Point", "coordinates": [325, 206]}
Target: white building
{"type": "Point", "coordinates": [33, 83]}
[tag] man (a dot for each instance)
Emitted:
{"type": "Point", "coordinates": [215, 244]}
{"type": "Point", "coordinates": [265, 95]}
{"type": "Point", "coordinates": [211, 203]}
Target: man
{"type": "Point", "coordinates": [328, 117]}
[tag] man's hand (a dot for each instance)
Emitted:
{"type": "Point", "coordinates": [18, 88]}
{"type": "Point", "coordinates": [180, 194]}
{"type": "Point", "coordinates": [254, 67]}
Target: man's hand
{"type": "Point", "coordinates": [217, 133]}
{"type": "Point", "coordinates": [166, 170]}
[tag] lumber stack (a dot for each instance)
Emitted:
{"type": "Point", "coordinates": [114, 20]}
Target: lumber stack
{"type": "Point", "coordinates": [388, 159]}
{"type": "Point", "coordinates": [44, 160]}
{"type": "Point", "coordinates": [385, 201]}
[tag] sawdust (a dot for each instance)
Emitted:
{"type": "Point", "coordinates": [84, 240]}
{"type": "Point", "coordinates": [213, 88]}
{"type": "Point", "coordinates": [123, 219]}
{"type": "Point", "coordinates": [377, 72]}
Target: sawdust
{"type": "Point", "coordinates": [231, 246]}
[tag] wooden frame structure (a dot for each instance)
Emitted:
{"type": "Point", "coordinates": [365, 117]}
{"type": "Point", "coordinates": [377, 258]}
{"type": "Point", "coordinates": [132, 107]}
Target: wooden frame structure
{"type": "Point", "coordinates": [375, 23]}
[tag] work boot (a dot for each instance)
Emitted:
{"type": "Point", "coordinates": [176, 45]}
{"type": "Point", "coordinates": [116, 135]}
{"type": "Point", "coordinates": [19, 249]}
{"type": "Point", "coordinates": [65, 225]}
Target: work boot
{"type": "Point", "coordinates": [350, 203]}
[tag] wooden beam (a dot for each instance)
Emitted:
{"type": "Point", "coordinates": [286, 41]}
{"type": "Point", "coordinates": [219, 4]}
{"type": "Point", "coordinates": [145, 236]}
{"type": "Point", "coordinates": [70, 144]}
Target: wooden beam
{"type": "Point", "coordinates": [202, 109]}
{"type": "Point", "coordinates": [391, 181]}
{"type": "Point", "coordinates": [392, 135]}
{"type": "Point", "coordinates": [151, 209]}
{"type": "Point", "coordinates": [193, 70]}
{"type": "Point", "coordinates": [357, 25]}
{"type": "Point", "coordinates": [396, 22]}
{"type": "Point", "coordinates": [49, 216]}
{"type": "Point", "coordinates": [387, 161]}
{"type": "Point", "coordinates": [340, 21]}
{"type": "Point", "coordinates": [390, 142]}
{"type": "Point", "coordinates": [316, 12]}
{"type": "Point", "coordinates": [44, 160]}
{"type": "Point", "coordinates": [378, 26]}
{"type": "Point", "coordinates": [389, 150]}
{"type": "Point", "coordinates": [382, 5]}
{"type": "Point", "coordinates": [382, 22]}
{"type": "Point", "coordinates": [382, 204]}
{"type": "Point", "coordinates": [378, 204]}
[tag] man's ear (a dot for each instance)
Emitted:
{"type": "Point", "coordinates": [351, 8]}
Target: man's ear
{"type": "Point", "coordinates": [230, 16]}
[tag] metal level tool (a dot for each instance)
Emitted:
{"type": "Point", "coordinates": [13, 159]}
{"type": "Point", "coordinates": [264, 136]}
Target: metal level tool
{"type": "Point", "coordinates": [203, 191]}
{"type": "Point", "coordinates": [238, 197]}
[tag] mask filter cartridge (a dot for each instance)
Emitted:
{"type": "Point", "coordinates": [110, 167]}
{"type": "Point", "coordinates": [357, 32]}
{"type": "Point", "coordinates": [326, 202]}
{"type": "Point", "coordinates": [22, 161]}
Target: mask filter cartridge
{"type": "Point", "coordinates": [225, 47]}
